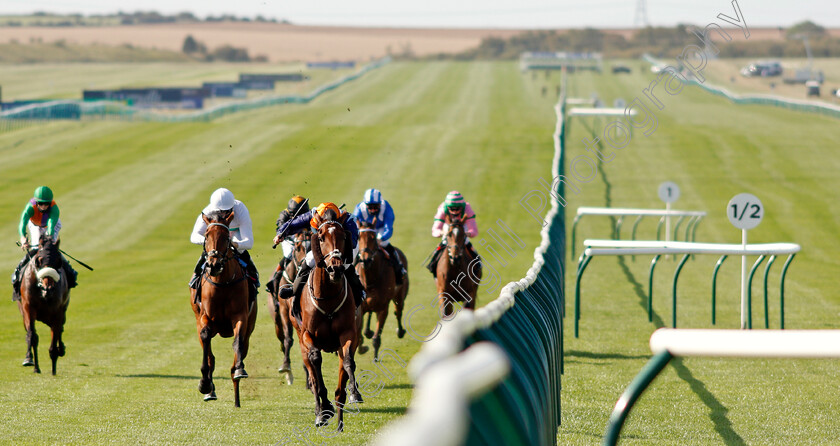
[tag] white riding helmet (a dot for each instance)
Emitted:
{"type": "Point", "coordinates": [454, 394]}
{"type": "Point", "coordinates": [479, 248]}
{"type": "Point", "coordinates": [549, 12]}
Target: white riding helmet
{"type": "Point", "coordinates": [222, 200]}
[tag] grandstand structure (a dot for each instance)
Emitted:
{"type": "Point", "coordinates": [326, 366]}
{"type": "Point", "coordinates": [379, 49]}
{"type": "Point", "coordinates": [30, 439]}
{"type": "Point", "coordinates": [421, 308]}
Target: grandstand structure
{"type": "Point", "coordinates": [545, 60]}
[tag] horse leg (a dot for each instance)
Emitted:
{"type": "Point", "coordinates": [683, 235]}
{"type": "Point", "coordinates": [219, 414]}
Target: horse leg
{"type": "Point", "coordinates": [288, 342]}
{"type": "Point", "coordinates": [240, 350]}
{"type": "Point", "coordinates": [208, 362]}
{"type": "Point", "coordinates": [349, 364]}
{"type": "Point", "coordinates": [31, 340]}
{"type": "Point", "coordinates": [340, 391]}
{"type": "Point", "coordinates": [56, 346]}
{"type": "Point", "coordinates": [368, 333]}
{"type": "Point", "coordinates": [377, 337]}
{"type": "Point", "coordinates": [323, 408]}
{"type": "Point", "coordinates": [399, 303]}
{"type": "Point", "coordinates": [359, 322]}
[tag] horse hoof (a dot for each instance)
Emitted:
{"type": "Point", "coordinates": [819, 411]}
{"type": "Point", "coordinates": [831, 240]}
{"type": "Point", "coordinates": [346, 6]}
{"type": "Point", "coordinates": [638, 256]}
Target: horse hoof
{"type": "Point", "coordinates": [210, 396]}
{"type": "Point", "coordinates": [205, 387]}
{"type": "Point", "coordinates": [368, 334]}
{"type": "Point", "coordinates": [355, 398]}
{"type": "Point", "coordinates": [28, 362]}
{"type": "Point", "coordinates": [363, 349]}
{"type": "Point", "coordinates": [400, 333]}
{"type": "Point", "coordinates": [240, 374]}
{"type": "Point", "coordinates": [288, 375]}
{"type": "Point", "coordinates": [37, 370]}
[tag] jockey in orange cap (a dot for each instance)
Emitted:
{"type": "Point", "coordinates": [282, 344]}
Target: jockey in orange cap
{"type": "Point", "coordinates": [328, 211]}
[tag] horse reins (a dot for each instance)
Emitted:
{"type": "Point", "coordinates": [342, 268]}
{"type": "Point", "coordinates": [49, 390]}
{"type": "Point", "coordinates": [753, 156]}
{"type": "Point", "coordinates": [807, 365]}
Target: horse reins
{"type": "Point", "coordinates": [314, 299]}
{"type": "Point", "coordinates": [225, 257]}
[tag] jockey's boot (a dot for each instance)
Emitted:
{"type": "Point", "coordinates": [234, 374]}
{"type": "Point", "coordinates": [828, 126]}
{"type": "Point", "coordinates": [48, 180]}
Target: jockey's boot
{"type": "Point", "coordinates": [297, 289]}
{"type": "Point", "coordinates": [271, 285]}
{"type": "Point", "coordinates": [432, 266]}
{"type": "Point", "coordinates": [199, 268]}
{"type": "Point", "coordinates": [71, 273]}
{"type": "Point", "coordinates": [253, 275]}
{"type": "Point", "coordinates": [355, 284]}
{"type": "Point", "coordinates": [17, 278]}
{"type": "Point", "coordinates": [474, 254]}
{"type": "Point", "coordinates": [396, 262]}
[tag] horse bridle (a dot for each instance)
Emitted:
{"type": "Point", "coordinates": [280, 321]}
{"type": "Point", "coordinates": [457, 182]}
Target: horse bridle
{"type": "Point", "coordinates": [370, 251]}
{"type": "Point", "coordinates": [460, 225]}
{"type": "Point", "coordinates": [215, 253]}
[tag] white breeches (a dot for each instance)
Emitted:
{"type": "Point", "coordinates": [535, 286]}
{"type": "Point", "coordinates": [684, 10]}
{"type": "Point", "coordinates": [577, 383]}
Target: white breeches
{"type": "Point", "coordinates": [35, 232]}
{"type": "Point", "coordinates": [288, 247]}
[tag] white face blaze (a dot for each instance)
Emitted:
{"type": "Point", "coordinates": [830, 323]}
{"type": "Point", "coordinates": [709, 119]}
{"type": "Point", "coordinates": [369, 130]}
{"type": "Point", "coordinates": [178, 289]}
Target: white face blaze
{"type": "Point", "coordinates": [331, 229]}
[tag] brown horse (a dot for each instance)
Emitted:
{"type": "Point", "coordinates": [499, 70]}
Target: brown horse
{"type": "Point", "coordinates": [455, 281]}
{"type": "Point", "coordinates": [279, 309]}
{"type": "Point", "coordinates": [381, 287]}
{"type": "Point", "coordinates": [44, 296]}
{"type": "Point", "coordinates": [328, 318]}
{"type": "Point", "coordinates": [224, 307]}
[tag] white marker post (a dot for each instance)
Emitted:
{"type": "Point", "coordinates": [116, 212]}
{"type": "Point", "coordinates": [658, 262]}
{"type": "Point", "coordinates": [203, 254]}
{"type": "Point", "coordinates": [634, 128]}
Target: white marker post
{"type": "Point", "coordinates": [668, 192]}
{"type": "Point", "coordinates": [745, 212]}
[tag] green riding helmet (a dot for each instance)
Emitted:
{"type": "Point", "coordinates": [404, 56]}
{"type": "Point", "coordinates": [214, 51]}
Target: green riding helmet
{"type": "Point", "coordinates": [454, 200]}
{"type": "Point", "coordinates": [43, 194]}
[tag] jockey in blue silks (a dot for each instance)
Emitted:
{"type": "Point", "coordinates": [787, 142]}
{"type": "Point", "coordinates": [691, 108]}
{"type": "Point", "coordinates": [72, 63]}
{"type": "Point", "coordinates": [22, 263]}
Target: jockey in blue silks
{"type": "Point", "coordinates": [378, 212]}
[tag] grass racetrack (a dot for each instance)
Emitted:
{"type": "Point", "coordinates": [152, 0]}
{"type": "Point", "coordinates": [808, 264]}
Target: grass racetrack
{"type": "Point", "coordinates": [130, 192]}
{"type": "Point", "coordinates": [713, 150]}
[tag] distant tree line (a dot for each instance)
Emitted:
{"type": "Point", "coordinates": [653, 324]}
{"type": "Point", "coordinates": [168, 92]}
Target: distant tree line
{"type": "Point", "coordinates": [659, 41]}
{"type": "Point", "coordinates": [226, 53]}
{"type": "Point", "coordinates": [41, 18]}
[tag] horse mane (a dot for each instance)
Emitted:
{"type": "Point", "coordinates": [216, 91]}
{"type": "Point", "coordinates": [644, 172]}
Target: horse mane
{"type": "Point", "coordinates": [216, 216]}
{"type": "Point", "coordinates": [48, 251]}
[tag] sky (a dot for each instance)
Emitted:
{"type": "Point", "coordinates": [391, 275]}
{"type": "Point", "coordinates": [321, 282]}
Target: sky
{"type": "Point", "coordinates": [464, 13]}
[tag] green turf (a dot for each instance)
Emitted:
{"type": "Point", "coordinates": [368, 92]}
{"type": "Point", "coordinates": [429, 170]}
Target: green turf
{"type": "Point", "coordinates": [713, 149]}
{"type": "Point", "coordinates": [130, 193]}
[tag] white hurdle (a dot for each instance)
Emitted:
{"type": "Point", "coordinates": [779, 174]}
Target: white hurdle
{"type": "Point", "coordinates": [658, 248]}
{"type": "Point", "coordinates": [694, 218]}
{"type": "Point", "coordinates": [668, 343]}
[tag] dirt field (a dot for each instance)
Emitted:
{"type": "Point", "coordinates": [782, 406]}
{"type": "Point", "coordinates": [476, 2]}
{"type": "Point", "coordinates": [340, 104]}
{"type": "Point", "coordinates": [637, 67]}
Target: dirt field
{"type": "Point", "coordinates": [281, 43]}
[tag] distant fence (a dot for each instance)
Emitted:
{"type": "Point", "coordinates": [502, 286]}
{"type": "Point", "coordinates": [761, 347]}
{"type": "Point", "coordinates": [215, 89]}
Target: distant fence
{"type": "Point", "coordinates": [762, 99]}
{"type": "Point", "coordinates": [110, 110]}
{"type": "Point", "coordinates": [526, 321]}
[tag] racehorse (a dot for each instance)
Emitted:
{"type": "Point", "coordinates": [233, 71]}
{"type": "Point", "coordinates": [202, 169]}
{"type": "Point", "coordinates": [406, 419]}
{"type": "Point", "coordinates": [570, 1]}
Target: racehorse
{"type": "Point", "coordinates": [279, 309]}
{"type": "Point", "coordinates": [381, 287]}
{"type": "Point", "coordinates": [44, 296]}
{"type": "Point", "coordinates": [328, 318]}
{"type": "Point", "coordinates": [223, 307]}
{"type": "Point", "coordinates": [454, 277]}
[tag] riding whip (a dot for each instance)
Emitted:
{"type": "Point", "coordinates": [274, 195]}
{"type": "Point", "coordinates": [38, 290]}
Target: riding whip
{"type": "Point", "coordinates": [274, 246]}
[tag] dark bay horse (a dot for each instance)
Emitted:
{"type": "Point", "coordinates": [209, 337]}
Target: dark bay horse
{"type": "Point", "coordinates": [44, 296]}
{"type": "Point", "coordinates": [455, 283]}
{"type": "Point", "coordinates": [223, 307]}
{"type": "Point", "coordinates": [328, 318]}
{"type": "Point", "coordinates": [279, 309]}
{"type": "Point", "coordinates": [381, 287]}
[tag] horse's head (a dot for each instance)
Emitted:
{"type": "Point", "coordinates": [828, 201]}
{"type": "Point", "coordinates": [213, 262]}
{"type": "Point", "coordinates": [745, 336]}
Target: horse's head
{"type": "Point", "coordinates": [47, 265]}
{"type": "Point", "coordinates": [331, 242]}
{"type": "Point", "coordinates": [368, 243]}
{"type": "Point", "coordinates": [217, 241]}
{"type": "Point", "coordinates": [302, 243]}
{"type": "Point", "coordinates": [455, 238]}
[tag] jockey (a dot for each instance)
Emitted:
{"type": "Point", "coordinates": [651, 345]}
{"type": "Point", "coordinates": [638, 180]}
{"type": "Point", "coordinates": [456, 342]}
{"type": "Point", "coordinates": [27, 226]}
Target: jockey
{"type": "Point", "coordinates": [307, 220]}
{"type": "Point", "coordinates": [374, 210]}
{"type": "Point", "coordinates": [456, 207]}
{"type": "Point", "coordinates": [297, 205]}
{"type": "Point", "coordinates": [40, 217]}
{"type": "Point", "coordinates": [241, 234]}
